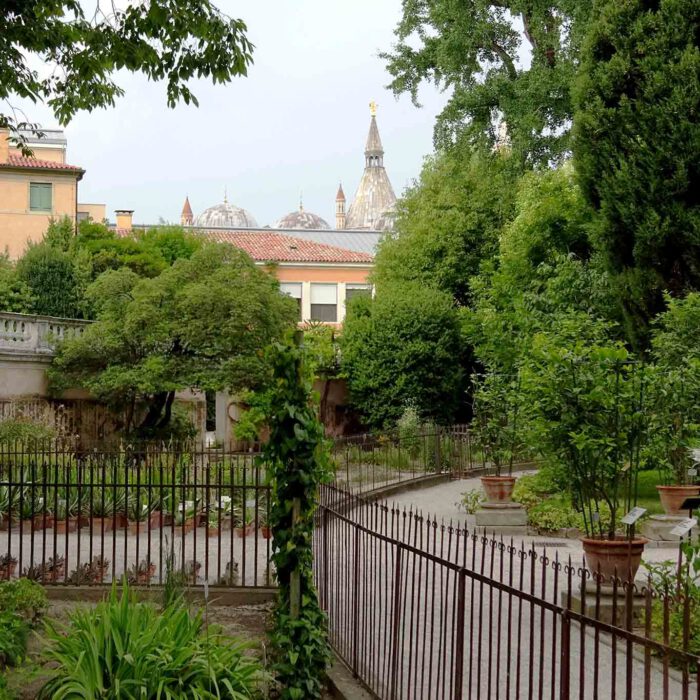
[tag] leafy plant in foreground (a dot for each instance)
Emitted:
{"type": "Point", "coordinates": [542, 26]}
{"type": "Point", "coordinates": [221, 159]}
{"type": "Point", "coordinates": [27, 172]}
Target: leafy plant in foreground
{"type": "Point", "coordinates": [124, 648]}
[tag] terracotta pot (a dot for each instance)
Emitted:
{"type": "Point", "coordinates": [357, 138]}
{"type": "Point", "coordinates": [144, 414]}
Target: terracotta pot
{"type": "Point", "coordinates": [63, 526]}
{"type": "Point", "coordinates": [499, 489]}
{"type": "Point", "coordinates": [245, 531]}
{"type": "Point", "coordinates": [672, 497]}
{"type": "Point", "coordinates": [120, 521]}
{"type": "Point", "coordinates": [186, 527]}
{"type": "Point", "coordinates": [160, 519]}
{"type": "Point", "coordinates": [619, 557]}
{"type": "Point", "coordinates": [144, 577]}
{"type": "Point", "coordinates": [212, 531]}
{"type": "Point", "coordinates": [138, 527]}
{"type": "Point", "coordinates": [7, 571]}
{"type": "Point", "coordinates": [98, 523]}
{"type": "Point", "coordinates": [266, 532]}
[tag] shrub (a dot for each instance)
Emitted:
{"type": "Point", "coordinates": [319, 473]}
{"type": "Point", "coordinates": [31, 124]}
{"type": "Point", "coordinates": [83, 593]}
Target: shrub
{"type": "Point", "coordinates": [14, 632]}
{"type": "Point", "coordinates": [124, 644]}
{"type": "Point", "coordinates": [25, 431]}
{"type": "Point", "coordinates": [471, 500]}
{"type": "Point", "coordinates": [24, 598]}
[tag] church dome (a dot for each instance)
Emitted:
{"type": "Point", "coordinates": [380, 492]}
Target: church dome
{"type": "Point", "coordinates": [301, 219]}
{"type": "Point", "coordinates": [225, 215]}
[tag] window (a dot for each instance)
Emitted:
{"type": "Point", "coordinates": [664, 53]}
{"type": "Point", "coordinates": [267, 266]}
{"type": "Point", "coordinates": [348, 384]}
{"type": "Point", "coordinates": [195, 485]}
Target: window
{"type": "Point", "coordinates": [324, 302]}
{"type": "Point", "coordinates": [292, 289]}
{"type": "Point", "coordinates": [40, 196]}
{"type": "Point", "coordinates": [354, 290]}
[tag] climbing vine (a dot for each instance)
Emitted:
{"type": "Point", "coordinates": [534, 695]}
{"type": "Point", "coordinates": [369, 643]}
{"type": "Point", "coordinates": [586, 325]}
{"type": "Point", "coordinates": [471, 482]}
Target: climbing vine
{"type": "Point", "coordinates": [297, 459]}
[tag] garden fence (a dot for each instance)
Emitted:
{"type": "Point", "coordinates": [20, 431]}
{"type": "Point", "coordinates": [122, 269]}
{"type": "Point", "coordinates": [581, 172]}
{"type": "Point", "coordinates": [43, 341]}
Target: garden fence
{"type": "Point", "coordinates": [88, 515]}
{"type": "Point", "coordinates": [423, 609]}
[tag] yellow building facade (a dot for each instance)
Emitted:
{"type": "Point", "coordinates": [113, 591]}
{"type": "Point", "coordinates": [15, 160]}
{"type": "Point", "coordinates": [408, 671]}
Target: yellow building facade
{"type": "Point", "coordinates": [35, 190]}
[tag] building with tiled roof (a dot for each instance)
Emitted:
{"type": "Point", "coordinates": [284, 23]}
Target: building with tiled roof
{"type": "Point", "coordinates": [36, 189]}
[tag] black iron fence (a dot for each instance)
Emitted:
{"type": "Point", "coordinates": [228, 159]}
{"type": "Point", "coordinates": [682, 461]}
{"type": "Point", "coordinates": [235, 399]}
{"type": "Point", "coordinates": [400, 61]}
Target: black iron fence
{"type": "Point", "coordinates": [88, 515]}
{"type": "Point", "coordinates": [423, 609]}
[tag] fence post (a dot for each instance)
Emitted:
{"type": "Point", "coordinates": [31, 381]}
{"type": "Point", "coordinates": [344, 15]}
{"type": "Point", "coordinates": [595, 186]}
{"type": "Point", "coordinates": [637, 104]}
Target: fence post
{"type": "Point", "coordinates": [438, 459]}
{"type": "Point", "coordinates": [324, 558]}
{"type": "Point", "coordinates": [459, 643]}
{"type": "Point", "coordinates": [396, 624]}
{"type": "Point", "coordinates": [356, 600]}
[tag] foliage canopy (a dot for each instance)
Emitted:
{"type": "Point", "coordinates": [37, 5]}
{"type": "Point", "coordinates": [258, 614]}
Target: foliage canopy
{"type": "Point", "coordinates": [170, 40]}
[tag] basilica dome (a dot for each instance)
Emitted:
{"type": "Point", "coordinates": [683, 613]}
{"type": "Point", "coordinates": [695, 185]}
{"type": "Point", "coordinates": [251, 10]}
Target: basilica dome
{"type": "Point", "coordinates": [301, 219]}
{"type": "Point", "coordinates": [225, 215]}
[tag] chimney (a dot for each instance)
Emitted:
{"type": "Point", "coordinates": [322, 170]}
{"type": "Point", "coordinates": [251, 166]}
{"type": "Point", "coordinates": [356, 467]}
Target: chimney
{"type": "Point", "coordinates": [4, 145]}
{"type": "Point", "coordinates": [124, 219]}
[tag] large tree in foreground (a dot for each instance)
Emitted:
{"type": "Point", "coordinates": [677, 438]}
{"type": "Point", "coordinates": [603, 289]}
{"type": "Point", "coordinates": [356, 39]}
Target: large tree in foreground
{"type": "Point", "coordinates": [203, 323]}
{"type": "Point", "coordinates": [495, 58]}
{"type": "Point", "coordinates": [170, 40]}
{"type": "Point", "coordinates": [637, 149]}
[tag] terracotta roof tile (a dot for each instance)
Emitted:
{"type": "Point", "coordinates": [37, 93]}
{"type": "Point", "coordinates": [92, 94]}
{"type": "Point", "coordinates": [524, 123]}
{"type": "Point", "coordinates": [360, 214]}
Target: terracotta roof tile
{"type": "Point", "coordinates": [22, 162]}
{"type": "Point", "coordinates": [264, 246]}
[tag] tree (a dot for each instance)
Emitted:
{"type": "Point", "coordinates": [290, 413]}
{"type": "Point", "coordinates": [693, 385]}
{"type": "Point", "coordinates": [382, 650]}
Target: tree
{"type": "Point", "coordinates": [15, 294]}
{"type": "Point", "coordinates": [450, 220]}
{"type": "Point", "coordinates": [475, 50]}
{"type": "Point", "coordinates": [171, 40]}
{"type": "Point", "coordinates": [50, 275]}
{"type": "Point", "coordinates": [403, 348]}
{"type": "Point", "coordinates": [543, 277]}
{"type": "Point", "coordinates": [202, 323]}
{"type": "Point", "coordinates": [637, 149]}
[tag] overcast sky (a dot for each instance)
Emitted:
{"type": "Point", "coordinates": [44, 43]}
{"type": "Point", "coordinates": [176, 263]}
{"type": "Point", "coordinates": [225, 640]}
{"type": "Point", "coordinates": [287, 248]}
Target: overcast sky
{"type": "Point", "coordinates": [298, 122]}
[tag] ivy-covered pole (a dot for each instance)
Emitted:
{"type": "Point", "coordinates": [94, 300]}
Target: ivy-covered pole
{"type": "Point", "coordinates": [297, 459]}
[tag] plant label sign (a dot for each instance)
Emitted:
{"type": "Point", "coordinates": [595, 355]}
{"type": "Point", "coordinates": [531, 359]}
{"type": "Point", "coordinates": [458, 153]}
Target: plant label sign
{"type": "Point", "coordinates": [693, 471]}
{"type": "Point", "coordinates": [684, 527]}
{"type": "Point", "coordinates": [634, 515]}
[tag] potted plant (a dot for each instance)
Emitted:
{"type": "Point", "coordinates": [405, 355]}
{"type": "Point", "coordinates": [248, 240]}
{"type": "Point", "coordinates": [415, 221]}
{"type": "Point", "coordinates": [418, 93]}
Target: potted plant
{"type": "Point", "coordinates": [244, 522]}
{"type": "Point", "coordinates": [495, 428]}
{"type": "Point", "coordinates": [99, 515]}
{"type": "Point", "coordinates": [139, 514]}
{"type": "Point", "coordinates": [587, 410]}
{"type": "Point", "coordinates": [141, 573]}
{"type": "Point", "coordinates": [8, 565]}
{"type": "Point", "coordinates": [673, 433]}
{"type": "Point", "coordinates": [90, 573]}
{"type": "Point", "coordinates": [65, 517]}
{"type": "Point", "coordinates": [263, 523]}
{"type": "Point", "coordinates": [186, 516]}
{"type": "Point", "coordinates": [161, 515]}
{"type": "Point", "coordinates": [49, 572]}
{"type": "Point", "coordinates": [213, 524]}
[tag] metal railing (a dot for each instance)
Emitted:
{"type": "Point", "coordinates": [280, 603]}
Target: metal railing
{"type": "Point", "coordinates": [88, 516]}
{"type": "Point", "coordinates": [422, 609]}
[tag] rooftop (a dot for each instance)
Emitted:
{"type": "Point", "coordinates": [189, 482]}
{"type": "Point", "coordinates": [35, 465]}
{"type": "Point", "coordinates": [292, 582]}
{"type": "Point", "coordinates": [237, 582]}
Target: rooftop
{"type": "Point", "coordinates": [264, 246]}
{"type": "Point", "coordinates": [38, 164]}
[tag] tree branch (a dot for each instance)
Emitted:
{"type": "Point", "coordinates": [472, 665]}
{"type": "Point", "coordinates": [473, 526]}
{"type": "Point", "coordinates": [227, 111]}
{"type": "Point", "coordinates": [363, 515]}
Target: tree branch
{"type": "Point", "coordinates": [507, 60]}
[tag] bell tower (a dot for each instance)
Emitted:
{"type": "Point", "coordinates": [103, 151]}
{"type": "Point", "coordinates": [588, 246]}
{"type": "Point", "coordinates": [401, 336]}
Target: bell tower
{"type": "Point", "coordinates": [340, 208]}
{"type": "Point", "coordinates": [186, 218]}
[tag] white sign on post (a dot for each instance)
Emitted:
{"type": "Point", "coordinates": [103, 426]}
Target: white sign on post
{"type": "Point", "coordinates": [634, 515]}
{"type": "Point", "coordinates": [684, 527]}
{"type": "Point", "coordinates": [693, 471]}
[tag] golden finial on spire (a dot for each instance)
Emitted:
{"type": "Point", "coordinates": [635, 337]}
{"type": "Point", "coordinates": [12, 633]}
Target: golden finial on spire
{"type": "Point", "coordinates": [373, 108]}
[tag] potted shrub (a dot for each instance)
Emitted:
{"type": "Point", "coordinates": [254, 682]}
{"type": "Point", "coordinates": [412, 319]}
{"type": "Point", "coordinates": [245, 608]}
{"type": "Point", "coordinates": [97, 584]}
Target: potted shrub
{"type": "Point", "coordinates": [495, 428]}
{"type": "Point", "coordinates": [161, 515]}
{"type": "Point", "coordinates": [49, 572]}
{"type": "Point", "coordinates": [8, 566]}
{"type": "Point", "coordinates": [675, 397]}
{"type": "Point", "coordinates": [263, 523]}
{"type": "Point", "coordinates": [65, 517]}
{"type": "Point", "coordinates": [587, 411]}
{"type": "Point", "coordinates": [673, 432]}
{"type": "Point", "coordinates": [213, 524]}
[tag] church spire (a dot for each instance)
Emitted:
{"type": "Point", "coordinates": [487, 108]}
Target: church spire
{"type": "Point", "coordinates": [186, 218]}
{"type": "Point", "coordinates": [340, 208]}
{"type": "Point", "coordinates": [374, 151]}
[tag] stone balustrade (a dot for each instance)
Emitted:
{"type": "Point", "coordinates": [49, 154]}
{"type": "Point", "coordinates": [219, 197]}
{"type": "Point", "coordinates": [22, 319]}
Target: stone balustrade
{"type": "Point", "coordinates": [23, 334]}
